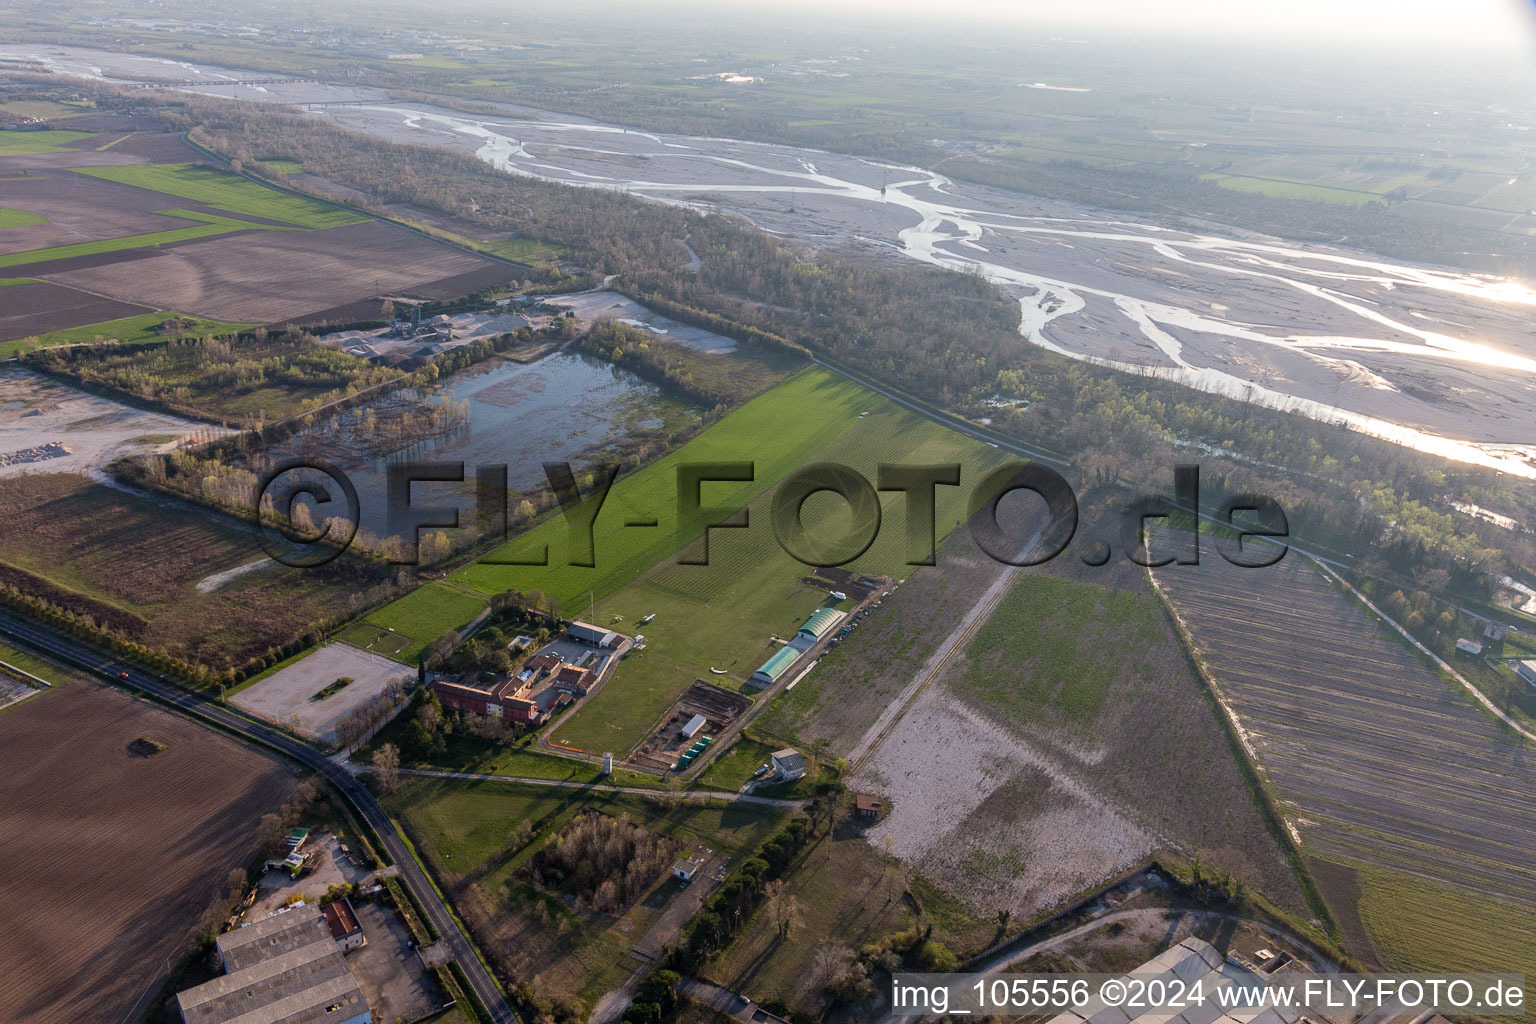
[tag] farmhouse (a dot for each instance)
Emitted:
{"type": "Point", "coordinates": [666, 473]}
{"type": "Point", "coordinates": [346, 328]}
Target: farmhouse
{"type": "Point", "coordinates": [821, 622]}
{"type": "Point", "coordinates": [285, 969]}
{"type": "Point", "coordinates": [769, 671]}
{"type": "Point", "coordinates": [342, 920]}
{"type": "Point", "coordinates": [595, 636]}
{"type": "Point", "coordinates": [867, 806]}
{"type": "Point", "coordinates": [788, 764]}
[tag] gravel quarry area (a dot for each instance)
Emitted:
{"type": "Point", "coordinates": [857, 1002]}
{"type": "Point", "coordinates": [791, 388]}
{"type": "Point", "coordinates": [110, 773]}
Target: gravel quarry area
{"type": "Point", "coordinates": [991, 820]}
{"type": "Point", "coordinates": [46, 427]}
{"type": "Point", "coordinates": [601, 306]}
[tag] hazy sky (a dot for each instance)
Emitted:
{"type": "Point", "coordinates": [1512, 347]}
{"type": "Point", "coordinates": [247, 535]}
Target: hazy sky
{"type": "Point", "coordinates": [1497, 23]}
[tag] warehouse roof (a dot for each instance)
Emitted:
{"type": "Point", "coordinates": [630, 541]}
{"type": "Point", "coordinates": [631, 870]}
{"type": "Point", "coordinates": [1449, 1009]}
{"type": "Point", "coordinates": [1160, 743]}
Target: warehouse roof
{"type": "Point", "coordinates": [591, 634]}
{"type": "Point", "coordinates": [821, 622]}
{"type": "Point", "coordinates": [776, 665]}
{"type": "Point", "coordinates": [271, 937]}
{"type": "Point", "coordinates": [1190, 961]}
{"type": "Point", "coordinates": [310, 983]}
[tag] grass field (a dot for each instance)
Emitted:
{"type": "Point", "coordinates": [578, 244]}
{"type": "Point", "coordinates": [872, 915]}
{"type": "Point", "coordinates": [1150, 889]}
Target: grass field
{"type": "Point", "coordinates": [724, 615]}
{"type": "Point", "coordinates": [225, 191]}
{"type": "Point", "coordinates": [1419, 925]}
{"type": "Point", "coordinates": [777, 431]}
{"type": "Point", "coordinates": [424, 615]}
{"type": "Point", "coordinates": [376, 638]}
{"type": "Point", "coordinates": [211, 224]}
{"type": "Point", "coordinates": [6, 282]}
{"type": "Point", "coordinates": [44, 670]}
{"type": "Point", "coordinates": [284, 166]}
{"type": "Point", "coordinates": [1294, 190]}
{"type": "Point", "coordinates": [466, 753]}
{"type": "Point", "coordinates": [525, 250]}
{"type": "Point", "coordinates": [19, 218]}
{"type": "Point", "coordinates": [461, 830]}
{"type": "Point", "coordinates": [732, 769]}
{"type": "Point", "coordinates": [133, 330]}
{"type": "Point", "coordinates": [26, 143]}
{"type": "Point", "coordinates": [1061, 644]}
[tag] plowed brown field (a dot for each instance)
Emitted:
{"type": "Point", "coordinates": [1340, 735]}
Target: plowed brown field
{"type": "Point", "coordinates": [108, 859]}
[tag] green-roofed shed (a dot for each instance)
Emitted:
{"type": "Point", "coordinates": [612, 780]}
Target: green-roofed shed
{"type": "Point", "coordinates": [776, 666]}
{"type": "Point", "coordinates": [820, 624]}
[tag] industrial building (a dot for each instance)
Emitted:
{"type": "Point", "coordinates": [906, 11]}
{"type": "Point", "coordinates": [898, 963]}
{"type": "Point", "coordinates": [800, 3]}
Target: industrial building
{"type": "Point", "coordinates": [1527, 670]}
{"type": "Point", "coordinates": [769, 671]}
{"type": "Point", "coordinates": [821, 623]}
{"type": "Point", "coordinates": [1191, 961]}
{"type": "Point", "coordinates": [285, 969]}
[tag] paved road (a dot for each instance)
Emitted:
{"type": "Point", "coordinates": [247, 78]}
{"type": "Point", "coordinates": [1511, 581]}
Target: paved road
{"type": "Point", "coordinates": [682, 794]}
{"type": "Point", "coordinates": [75, 652]}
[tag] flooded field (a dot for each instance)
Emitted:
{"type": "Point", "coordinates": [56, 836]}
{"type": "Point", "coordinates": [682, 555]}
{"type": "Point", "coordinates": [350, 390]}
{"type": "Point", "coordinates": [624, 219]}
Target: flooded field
{"type": "Point", "coordinates": [565, 407]}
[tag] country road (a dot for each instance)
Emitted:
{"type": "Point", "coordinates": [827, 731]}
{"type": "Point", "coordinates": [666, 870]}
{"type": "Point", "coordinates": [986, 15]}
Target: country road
{"type": "Point", "coordinates": [74, 652]}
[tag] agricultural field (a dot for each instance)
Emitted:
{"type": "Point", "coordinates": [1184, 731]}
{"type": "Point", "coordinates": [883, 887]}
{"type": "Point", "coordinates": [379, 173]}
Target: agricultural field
{"type": "Point", "coordinates": [135, 563]}
{"type": "Point", "coordinates": [462, 830]}
{"type": "Point", "coordinates": [1419, 925]}
{"type": "Point", "coordinates": [102, 886]}
{"type": "Point", "coordinates": [228, 192]}
{"type": "Point", "coordinates": [1378, 762]}
{"type": "Point", "coordinates": [139, 222]}
{"type": "Point", "coordinates": [142, 329]}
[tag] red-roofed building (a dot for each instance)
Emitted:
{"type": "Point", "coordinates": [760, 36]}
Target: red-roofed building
{"type": "Point", "coordinates": [571, 679]}
{"type": "Point", "coordinates": [343, 923]}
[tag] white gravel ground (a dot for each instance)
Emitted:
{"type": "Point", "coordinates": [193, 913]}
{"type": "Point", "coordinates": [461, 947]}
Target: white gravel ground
{"type": "Point", "coordinates": [284, 695]}
{"type": "Point", "coordinates": [991, 820]}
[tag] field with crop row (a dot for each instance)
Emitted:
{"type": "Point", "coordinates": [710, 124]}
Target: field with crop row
{"type": "Point", "coordinates": [1379, 758]}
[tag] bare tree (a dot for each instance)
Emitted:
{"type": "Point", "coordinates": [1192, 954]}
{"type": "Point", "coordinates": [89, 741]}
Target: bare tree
{"type": "Point", "coordinates": [271, 831]}
{"type": "Point", "coordinates": [783, 907]}
{"type": "Point", "coordinates": [387, 762]}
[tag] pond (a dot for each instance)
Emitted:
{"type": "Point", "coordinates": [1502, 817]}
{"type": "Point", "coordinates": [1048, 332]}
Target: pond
{"type": "Point", "coordinates": [566, 407]}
